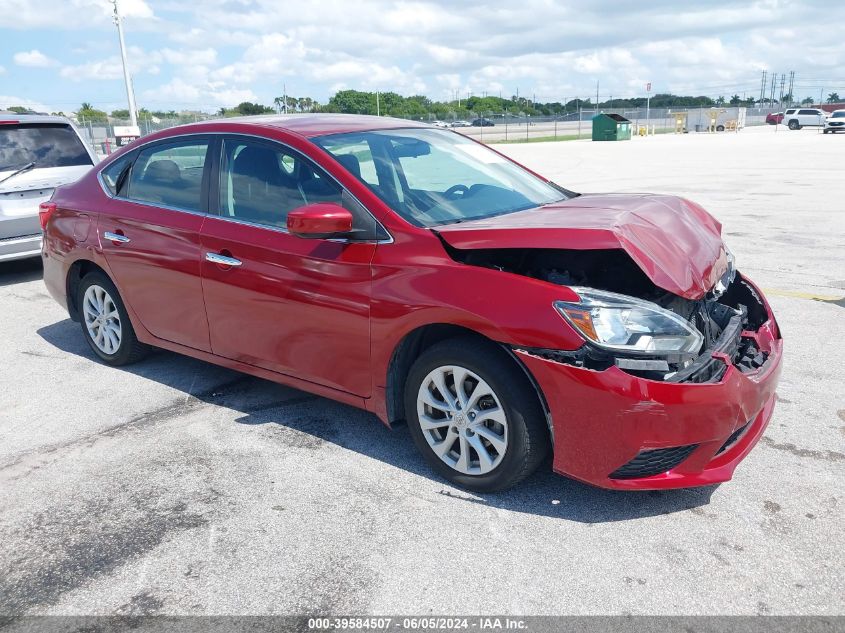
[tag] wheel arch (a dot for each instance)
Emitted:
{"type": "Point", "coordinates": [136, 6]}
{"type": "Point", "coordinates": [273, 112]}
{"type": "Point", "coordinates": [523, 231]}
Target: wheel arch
{"type": "Point", "coordinates": [415, 342]}
{"type": "Point", "coordinates": [75, 275]}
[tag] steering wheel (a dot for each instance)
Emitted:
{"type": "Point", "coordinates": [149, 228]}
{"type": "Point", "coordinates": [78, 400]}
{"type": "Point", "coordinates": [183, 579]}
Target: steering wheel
{"type": "Point", "coordinates": [451, 192]}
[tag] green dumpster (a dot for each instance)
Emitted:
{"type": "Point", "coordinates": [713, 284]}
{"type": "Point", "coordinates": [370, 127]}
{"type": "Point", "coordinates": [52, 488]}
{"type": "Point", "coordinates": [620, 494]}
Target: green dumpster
{"type": "Point", "coordinates": [611, 127]}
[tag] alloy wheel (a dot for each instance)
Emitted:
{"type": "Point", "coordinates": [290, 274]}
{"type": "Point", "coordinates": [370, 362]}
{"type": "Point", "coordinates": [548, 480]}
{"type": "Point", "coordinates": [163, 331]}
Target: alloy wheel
{"type": "Point", "coordinates": [462, 419]}
{"type": "Point", "coordinates": [102, 319]}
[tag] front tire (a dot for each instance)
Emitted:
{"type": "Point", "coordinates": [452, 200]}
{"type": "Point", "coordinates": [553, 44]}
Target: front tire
{"type": "Point", "coordinates": [105, 322]}
{"type": "Point", "coordinates": [474, 415]}
{"type": "Point", "coordinates": [793, 125]}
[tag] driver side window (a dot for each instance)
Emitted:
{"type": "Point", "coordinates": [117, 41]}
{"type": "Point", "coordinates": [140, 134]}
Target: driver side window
{"type": "Point", "coordinates": [261, 183]}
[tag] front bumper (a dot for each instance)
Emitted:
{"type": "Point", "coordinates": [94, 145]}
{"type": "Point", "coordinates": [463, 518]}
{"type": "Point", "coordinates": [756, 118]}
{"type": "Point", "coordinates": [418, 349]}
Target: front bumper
{"type": "Point", "coordinates": [607, 423]}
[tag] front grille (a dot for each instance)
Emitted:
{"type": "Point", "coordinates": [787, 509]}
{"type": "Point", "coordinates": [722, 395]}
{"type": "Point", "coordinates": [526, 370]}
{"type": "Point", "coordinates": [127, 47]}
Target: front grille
{"type": "Point", "coordinates": [654, 462]}
{"type": "Point", "coordinates": [734, 438]}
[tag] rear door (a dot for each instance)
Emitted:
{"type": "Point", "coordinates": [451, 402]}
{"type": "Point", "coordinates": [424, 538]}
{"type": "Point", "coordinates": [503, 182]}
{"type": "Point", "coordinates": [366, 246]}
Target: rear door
{"type": "Point", "coordinates": [150, 237]}
{"type": "Point", "coordinates": [296, 306]}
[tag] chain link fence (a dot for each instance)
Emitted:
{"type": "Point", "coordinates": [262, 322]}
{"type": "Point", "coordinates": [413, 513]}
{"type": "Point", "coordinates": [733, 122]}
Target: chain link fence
{"type": "Point", "coordinates": [495, 127]}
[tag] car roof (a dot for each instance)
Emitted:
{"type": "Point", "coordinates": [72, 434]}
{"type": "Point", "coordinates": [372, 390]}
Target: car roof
{"type": "Point", "coordinates": [311, 125]}
{"type": "Point", "coordinates": [33, 118]}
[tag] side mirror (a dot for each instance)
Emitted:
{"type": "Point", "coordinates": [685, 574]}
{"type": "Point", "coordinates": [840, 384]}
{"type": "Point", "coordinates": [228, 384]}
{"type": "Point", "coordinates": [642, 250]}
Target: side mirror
{"type": "Point", "coordinates": [320, 221]}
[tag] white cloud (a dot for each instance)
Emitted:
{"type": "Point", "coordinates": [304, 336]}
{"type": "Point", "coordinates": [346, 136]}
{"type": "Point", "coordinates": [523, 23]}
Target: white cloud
{"type": "Point", "coordinates": [33, 59]}
{"type": "Point", "coordinates": [7, 101]}
{"type": "Point", "coordinates": [26, 15]}
{"type": "Point", "coordinates": [2, 70]}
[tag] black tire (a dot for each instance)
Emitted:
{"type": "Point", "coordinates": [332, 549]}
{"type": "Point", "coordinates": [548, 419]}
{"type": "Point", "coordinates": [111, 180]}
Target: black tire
{"type": "Point", "coordinates": [130, 349]}
{"type": "Point", "coordinates": [720, 128]}
{"type": "Point", "coordinates": [793, 125]}
{"type": "Point", "coordinates": [528, 434]}
{"type": "Point", "coordinates": [825, 131]}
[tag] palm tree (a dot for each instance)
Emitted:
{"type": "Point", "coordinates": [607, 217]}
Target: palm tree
{"type": "Point", "coordinates": [736, 100]}
{"type": "Point", "coordinates": [808, 101]}
{"type": "Point", "coordinates": [85, 106]}
{"type": "Point", "coordinates": [833, 97]}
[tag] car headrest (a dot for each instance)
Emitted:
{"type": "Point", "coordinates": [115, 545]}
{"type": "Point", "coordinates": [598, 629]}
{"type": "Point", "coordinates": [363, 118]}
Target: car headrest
{"type": "Point", "coordinates": [163, 171]}
{"type": "Point", "coordinates": [260, 163]}
{"type": "Point", "coordinates": [351, 163]}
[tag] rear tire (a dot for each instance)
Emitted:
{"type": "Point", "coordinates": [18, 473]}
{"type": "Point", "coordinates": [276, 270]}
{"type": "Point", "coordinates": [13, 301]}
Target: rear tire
{"type": "Point", "coordinates": [489, 431]}
{"type": "Point", "coordinates": [105, 322]}
{"type": "Point", "coordinates": [793, 125]}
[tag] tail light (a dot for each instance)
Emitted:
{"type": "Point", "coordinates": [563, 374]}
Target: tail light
{"type": "Point", "coordinates": [45, 210]}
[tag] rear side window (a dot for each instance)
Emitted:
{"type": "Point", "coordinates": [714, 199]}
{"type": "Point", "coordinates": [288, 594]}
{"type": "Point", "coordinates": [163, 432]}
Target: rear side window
{"type": "Point", "coordinates": [170, 175]}
{"type": "Point", "coordinates": [114, 175]}
{"type": "Point", "coordinates": [45, 144]}
{"type": "Point", "coordinates": [813, 112]}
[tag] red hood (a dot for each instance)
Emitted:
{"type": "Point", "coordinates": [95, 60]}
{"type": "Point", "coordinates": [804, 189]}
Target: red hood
{"type": "Point", "coordinates": [674, 241]}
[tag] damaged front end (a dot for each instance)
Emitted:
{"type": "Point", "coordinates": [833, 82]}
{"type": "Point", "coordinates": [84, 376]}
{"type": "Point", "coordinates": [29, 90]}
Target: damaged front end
{"type": "Point", "coordinates": [628, 322]}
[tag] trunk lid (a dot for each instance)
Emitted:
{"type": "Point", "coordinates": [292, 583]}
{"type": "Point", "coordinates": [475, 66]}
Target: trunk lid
{"type": "Point", "coordinates": [675, 242]}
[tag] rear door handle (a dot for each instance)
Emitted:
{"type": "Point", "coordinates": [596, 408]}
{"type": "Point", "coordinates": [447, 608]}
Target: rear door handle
{"type": "Point", "coordinates": [115, 237]}
{"type": "Point", "coordinates": [223, 260]}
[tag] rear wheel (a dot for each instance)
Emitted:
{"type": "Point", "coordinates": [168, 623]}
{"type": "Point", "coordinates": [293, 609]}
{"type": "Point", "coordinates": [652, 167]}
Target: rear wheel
{"type": "Point", "coordinates": [105, 322]}
{"type": "Point", "coordinates": [474, 415]}
{"type": "Point", "coordinates": [793, 125]}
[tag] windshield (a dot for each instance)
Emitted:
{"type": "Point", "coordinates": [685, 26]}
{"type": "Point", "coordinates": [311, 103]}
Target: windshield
{"type": "Point", "coordinates": [433, 177]}
{"type": "Point", "coordinates": [838, 115]}
{"type": "Point", "coordinates": [46, 145]}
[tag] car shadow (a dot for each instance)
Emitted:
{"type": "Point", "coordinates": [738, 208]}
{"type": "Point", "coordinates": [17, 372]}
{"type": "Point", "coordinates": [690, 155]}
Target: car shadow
{"type": "Point", "coordinates": [255, 401]}
{"type": "Point", "coordinates": [20, 271]}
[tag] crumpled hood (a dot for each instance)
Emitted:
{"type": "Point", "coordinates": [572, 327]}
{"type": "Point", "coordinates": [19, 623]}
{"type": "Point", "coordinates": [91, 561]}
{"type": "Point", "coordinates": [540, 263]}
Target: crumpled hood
{"type": "Point", "coordinates": [674, 241]}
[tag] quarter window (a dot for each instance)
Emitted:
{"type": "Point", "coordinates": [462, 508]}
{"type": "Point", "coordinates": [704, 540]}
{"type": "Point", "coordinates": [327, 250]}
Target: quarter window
{"type": "Point", "coordinates": [170, 175]}
{"type": "Point", "coordinates": [114, 175]}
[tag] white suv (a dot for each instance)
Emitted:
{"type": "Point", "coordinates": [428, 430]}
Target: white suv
{"type": "Point", "coordinates": [835, 122]}
{"type": "Point", "coordinates": [37, 154]}
{"type": "Point", "coordinates": [796, 118]}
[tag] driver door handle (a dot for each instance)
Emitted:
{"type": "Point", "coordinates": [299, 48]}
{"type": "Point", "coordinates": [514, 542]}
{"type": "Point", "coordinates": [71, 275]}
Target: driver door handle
{"type": "Point", "coordinates": [223, 260]}
{"type": "Point", "coordinates": [117, 238]}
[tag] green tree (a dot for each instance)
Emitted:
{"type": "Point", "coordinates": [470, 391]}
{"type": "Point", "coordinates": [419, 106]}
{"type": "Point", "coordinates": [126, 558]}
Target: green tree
{"type": "Point", "coordinates": [735, 100]}
{"type": "Point", "coordinates": [88, 113]}
{"type": "Point", "coordinates": [19, 110]}
{"type": "Point", "coordinates": [808, 101]}
{"type": "Point", "coordinates": [120, 114]}
{"type": "Point", "coordinates": [247, 108]}
{"type": "Point", "coordinates": [833, 97]}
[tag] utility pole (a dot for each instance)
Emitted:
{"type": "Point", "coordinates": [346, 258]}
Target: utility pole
{"type": "Point", "coordinates": [285, 98]}
{"type": "Point", "coordinates": [378, 105]}
{"type": "Point", "coordinates": [791, 87]}
{"type": "Point", "coordinates": [597, 96]}
{"type": "Point", "coordinates": [772, 94]}
{"type": "Point", "coordinates": [782, 83]}
{"type": "Point", "coordinates": [763, 88]}
{"type": "Point", "coordinates": [130, 92]}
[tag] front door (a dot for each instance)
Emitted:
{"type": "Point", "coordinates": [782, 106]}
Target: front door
{"type": "Point", "coordinates": [296, 306]}
{"type": "Point", "coordinates": [150, 237]}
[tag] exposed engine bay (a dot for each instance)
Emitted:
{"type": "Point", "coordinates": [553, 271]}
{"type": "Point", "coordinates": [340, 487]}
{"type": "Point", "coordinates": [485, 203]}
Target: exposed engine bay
{"type": "Point", "coordinates": [729, 309]}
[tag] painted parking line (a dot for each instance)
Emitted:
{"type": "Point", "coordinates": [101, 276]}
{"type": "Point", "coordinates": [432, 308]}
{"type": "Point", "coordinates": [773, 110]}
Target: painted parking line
{"type": "Point", "coordinates": [796, 294]}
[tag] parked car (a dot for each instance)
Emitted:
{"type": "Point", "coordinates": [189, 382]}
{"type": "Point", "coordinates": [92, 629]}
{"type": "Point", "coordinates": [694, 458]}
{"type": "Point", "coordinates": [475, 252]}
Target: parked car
{"type": "Point", "coordinates": [37, 154]}
{"type": "Point", "coordinates": [460, 123]}
{"type": "Point", "coordinates": [835, 122]}
{"type": "Point", "coordinates": [440, 124]}
{"type": "Point", "coordinates": [422, 276]}
{"type": "Point", "coordinates": [796, 118]}
{"type": "Point", "coordinates": [773, 118]}
{"type": "Point", "coordinates": [482, 123]}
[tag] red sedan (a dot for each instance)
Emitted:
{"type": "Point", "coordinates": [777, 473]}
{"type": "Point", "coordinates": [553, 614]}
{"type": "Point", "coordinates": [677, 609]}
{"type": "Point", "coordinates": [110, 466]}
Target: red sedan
{"type": "Point", "coordinates": [420, 275]}
{"type": "Point", "coordinates": [774, 118]}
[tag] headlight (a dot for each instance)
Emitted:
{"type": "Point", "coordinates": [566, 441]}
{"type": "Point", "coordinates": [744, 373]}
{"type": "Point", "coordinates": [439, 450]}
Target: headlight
{"type": "Point", "coordinates": [624, 324]}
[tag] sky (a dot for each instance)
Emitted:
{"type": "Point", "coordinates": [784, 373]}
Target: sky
{"type": "Point", "coordinates": [203, 55]}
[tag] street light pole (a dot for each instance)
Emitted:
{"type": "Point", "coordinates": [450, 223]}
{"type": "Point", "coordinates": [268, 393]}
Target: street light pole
{"type": "Point", "coordinates": [130, 92]}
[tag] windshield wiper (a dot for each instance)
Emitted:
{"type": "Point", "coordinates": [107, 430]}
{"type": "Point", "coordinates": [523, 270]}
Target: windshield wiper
{"type": "Point", "coordinates": [26, 167]}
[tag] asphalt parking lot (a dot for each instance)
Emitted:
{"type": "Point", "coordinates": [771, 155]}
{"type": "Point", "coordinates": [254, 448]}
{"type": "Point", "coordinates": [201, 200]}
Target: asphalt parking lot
{"type": "Point", "coordinates": [174, 486]}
